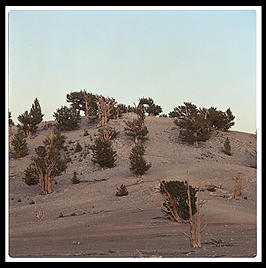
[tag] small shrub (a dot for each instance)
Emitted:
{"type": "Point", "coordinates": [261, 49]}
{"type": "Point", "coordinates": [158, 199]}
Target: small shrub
{"type": "Point", "coordinates": [75, 179]}
{"type": "Point", "coordinates": [78, 148]}
{"type": "Point", "coordinates": [122, 191]}
{"type": "Point", "coordinates": [227, 147]}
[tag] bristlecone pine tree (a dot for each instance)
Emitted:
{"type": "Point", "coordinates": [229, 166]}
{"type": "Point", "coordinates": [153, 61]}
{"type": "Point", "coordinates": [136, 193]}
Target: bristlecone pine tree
{"type": "Point", "coordinates": [67, 118]}
{"type": "Point", "coordinates": [227, 147]}
{"type": "Point", "coordinates": [47, 164]}
{"type": "Point", "coordinates": [138, 164]}
{"type": "Point", "coordinates": [30, 120]}
{"type": "Point", "coordinates": [136, 129]}
{"type": "Point", "coordinates": [103, 153]}
{"type": "Point", "coordinates": [175, 200]}
{"type": "Point", "coordinates": [147, 105]}
{"type": "Point", "coordinates": [193, 123]}
{"type": "Point", "coordinates": [83, 101]}
{"type": "Point", "coordinates": [19, 143]}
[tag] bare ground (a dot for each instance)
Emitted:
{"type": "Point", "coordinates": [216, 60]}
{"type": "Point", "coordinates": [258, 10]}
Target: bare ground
{"type": "Point", "coordinates": [98, 224]}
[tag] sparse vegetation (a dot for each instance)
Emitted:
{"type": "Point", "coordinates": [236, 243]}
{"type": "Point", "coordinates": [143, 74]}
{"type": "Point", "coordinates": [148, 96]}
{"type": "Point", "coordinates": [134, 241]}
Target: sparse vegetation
{"type": "Point", "coordinates": [122, 190]}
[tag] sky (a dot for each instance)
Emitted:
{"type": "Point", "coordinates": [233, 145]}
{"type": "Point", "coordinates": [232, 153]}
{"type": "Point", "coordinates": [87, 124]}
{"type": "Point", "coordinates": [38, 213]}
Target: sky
{"type": "Point", "coordinates": [207, 57]}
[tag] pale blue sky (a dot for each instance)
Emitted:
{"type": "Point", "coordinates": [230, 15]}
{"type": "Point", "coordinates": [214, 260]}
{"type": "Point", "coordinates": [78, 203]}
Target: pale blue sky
{"type": "Point", "coordinates": [204, 57]}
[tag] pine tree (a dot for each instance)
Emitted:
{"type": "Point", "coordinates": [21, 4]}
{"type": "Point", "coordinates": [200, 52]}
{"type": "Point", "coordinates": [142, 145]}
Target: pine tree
{"type": "Point", "coordinates": [67, 118]}
{"type": "Point", "coordinates": [227, 147]}
{"type": "Point", "coordinates": [30, 120]}
{"type": "Point", "coordinates": [194, 124]}
{"type": "Point", "coordinates": [138, 164]}
{"type": "Point", "coordinates": [103, 154]}
{"type": "Point", "coordinates": [47, 164]}
{"type": "Point", "coordinates": [20, 146]}
{"type": "Point", "coordinates": [175, 199]}
{"type": "Point", "coordinates": [136, 129]}
{"type": "Point", "coordinates": [147, 105]}
{"type": "Point", "coordinates": [36, 115]}
{"type": "Point", "coordinates": [83, 101]}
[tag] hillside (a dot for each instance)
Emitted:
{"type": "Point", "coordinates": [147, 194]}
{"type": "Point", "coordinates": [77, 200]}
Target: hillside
{"type": "Point", "coordinates": [105, 225]}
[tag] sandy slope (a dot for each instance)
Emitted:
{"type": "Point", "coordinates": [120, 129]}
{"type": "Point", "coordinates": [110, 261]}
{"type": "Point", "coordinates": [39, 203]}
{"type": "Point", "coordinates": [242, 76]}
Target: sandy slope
{"type": "Point", "coordinates": [133, 225]}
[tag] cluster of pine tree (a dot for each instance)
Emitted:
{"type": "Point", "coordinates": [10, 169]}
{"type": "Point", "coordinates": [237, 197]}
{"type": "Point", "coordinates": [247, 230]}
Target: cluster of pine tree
{"type": "Point", "coordinates": [196, 124]}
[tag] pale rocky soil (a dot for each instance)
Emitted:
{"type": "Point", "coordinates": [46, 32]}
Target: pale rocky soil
{"type": "Point", "coordinates": [134, 226]}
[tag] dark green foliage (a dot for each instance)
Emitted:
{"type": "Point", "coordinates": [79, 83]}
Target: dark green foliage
{"type": "Point", "coordinates": [147, 105]}
{"type": "Point", "coordinates": [30, 120]}
{"type": "Point", "coordinates": [136, 129]}
{"type": "Point", "coordinates": [122, 191]}
{"type": "Point", "coordinates": [188, 110]}
{"type": "Point", "coordinates": [227, 147]}
{"type": "Point", "coordinates": [220, 120]}
{"type": "Point", "coordinates": [122, 108]}
{"type": "Point", "coordinates": [103, 154]}
{"type": "Point", "coordinates": [83, 101]}
{"type": "Point", "coordinates": [67, 118]}
{"type": "Point", "coordinates": [178, 193]}
{"type": "Point", "coordinates": [163, 115]}
{"type": "Point", "coordinates": [36, 113]}
{"type": "Point", "coordinates": [194, 126]}
{"type": "Point", "coordinates": [78, 148]}
{"type": "Point", "coordinates": [31, 175]}
{"type": "Point", "coordinates": [138, 164]}
{"type": "Point", "coordinates": [75, 179]}
{"type": "Point", "coordinates": [20, 146]}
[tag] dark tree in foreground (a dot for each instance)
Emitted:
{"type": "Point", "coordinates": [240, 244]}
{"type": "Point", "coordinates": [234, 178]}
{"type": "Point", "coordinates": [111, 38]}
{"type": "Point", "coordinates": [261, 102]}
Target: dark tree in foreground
{"type": "Point", "coordinates": [103, 154]}
{"type": "Point", "coordinates": [136, 129]}
{"type": "Point", "coordinates": [67, 118]}
{"type": "Point", "coordinates": [47, 163]}
{"type": "Point", "coordinates": [138, 164]}
{"type": "Point", "coordinates": [175, 199]}
{"type": "Point", "coordinates": [20, 146]}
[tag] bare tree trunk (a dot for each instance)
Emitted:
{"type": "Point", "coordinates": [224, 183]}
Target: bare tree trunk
{"type": "Point", "coordinates": [195, 227]}
{"type": "Point", "coordinates": [10, 132]}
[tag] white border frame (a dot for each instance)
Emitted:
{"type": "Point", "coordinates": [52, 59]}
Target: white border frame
{"type": "Point", "coordinates": [258, 10]}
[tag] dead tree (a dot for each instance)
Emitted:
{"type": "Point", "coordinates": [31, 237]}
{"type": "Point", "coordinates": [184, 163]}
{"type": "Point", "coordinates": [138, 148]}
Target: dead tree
{"type": "Point", "coordinates": [237, 191]}
{"type": "Point", "coordinates": [107, 133]}
{"type": "Point", "coordinates": [105, 106]}
{"type": "Point", "coordinates": [195, 224]}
